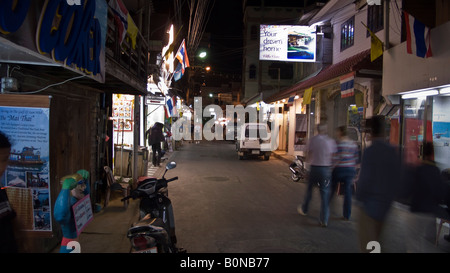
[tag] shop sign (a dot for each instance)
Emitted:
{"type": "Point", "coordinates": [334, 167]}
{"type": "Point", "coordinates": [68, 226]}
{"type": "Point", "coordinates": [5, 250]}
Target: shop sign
{"type": "Point", "coordinates": [154, 100]}
{"type": "Point", "coordinates": [68, 32]}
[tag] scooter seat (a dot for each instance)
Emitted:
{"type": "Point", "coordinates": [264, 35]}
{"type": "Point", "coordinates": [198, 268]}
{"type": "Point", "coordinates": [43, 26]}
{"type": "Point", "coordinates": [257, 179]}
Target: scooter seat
{"type": "Point", "coordinates": [143, 227]}
{"type": "Point", "coordinates": [148, 221]}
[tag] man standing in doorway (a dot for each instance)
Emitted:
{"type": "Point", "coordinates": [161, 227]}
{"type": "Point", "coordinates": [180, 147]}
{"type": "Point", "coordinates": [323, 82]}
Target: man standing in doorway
{"type": "Point", "coordinates": [319, 154]}
{"type": "Point", "coordinates": [155, 139]}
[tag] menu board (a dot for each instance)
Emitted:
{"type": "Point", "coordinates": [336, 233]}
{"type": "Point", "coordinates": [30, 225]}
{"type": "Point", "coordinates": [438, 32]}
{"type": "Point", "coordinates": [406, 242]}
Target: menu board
{"type": "Point", "coordinates": [122, 113]}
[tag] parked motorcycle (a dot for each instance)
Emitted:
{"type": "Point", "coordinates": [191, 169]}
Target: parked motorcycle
{"type": "Point", "coordinates": [155, 231]}
{"type": "Point", "coordinates": [298, 168]}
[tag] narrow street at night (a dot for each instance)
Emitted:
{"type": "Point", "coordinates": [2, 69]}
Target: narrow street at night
{"type": "Point", "coordinates": [223, 204]}
{"type": "Point", "coordinates": [335, 114]}
{"type": "Point", "coordinates": [226, 205]}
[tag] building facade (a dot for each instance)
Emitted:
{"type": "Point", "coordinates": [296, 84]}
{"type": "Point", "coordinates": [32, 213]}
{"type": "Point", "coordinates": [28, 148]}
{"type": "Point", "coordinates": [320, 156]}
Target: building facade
{"type": "Point", "coordinates": [417, 89]}
{"type": "Point", "coordinates": [344, 23]}
{"type": "Point", "coordinates": [66, 77]}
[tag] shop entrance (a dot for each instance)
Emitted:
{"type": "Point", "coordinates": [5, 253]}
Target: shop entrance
{"type": "Point", "coordinates": [427, 119]}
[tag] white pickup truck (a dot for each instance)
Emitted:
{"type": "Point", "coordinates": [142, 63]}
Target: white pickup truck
{"type": "Point", "coordinates": [254, 139]}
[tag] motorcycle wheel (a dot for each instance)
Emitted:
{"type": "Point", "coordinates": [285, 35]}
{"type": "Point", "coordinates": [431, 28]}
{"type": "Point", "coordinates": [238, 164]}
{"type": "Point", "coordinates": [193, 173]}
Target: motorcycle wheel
{"type": "Point", "coordinates": [295, 177]}
{"type": "Point", "coordinates": [300, 176]}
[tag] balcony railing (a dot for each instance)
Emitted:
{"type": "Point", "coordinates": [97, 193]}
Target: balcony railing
{"type": "Point", "coordinates": [133, 60]}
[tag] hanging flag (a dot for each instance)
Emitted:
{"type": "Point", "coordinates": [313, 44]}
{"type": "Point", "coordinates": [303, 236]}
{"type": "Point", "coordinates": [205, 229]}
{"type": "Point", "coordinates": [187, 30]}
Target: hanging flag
{"type": "Point", "coordinates": [290, 101]}
{"type": "Point", "coordinates": [174, 108]}
{"type": "Point", "coordinates": [132, 30]}
{"type": "Point", "coordinates": [172, 45]}
{"type": "Point", "coordinates": [178, 73]}
{"type": "Point", "coordinates": [376, 45]}
{"type": "Point", "coordinates": [123, 21]}
{"type": "Point", "coordinates": [166, 113]}
{"type": "Point", "coordinates": [120, 17]}
{"type": "Point", "coordinates": [182, 56]}
{"type": "Point", "coordinates": [169, 105]}
{"type": "Point", "coordinates": [307, 96]}
{"type": "Point", "coordinates": [418, 37]}
{"type": "Point", "coordinates": [347, 85]}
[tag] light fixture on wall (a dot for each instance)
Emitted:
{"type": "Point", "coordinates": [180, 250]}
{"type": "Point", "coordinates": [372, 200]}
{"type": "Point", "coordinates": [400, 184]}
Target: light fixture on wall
{"type": "Point", "coordinates": [419, 94]}
{"type": "Point", "coordinates": [445, 91]}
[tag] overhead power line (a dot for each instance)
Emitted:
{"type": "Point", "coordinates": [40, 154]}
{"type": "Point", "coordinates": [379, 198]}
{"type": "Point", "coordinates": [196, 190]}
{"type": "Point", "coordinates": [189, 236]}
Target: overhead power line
{"type": "Point", "coordinates": [199, 14]}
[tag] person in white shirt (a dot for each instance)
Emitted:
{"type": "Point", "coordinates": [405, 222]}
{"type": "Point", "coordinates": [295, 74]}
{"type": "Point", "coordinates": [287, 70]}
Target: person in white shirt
{"type": "Point", "coordinates": [319, 154]}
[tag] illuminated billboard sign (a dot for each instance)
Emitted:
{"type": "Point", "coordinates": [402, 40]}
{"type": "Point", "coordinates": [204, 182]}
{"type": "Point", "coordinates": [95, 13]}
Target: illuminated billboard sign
{"type": "Point", "coordinates": [288, 43]}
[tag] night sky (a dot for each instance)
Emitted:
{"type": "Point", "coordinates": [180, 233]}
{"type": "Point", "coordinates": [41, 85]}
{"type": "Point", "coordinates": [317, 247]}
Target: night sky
{"type": "Point", "coordinates": [226, 28]}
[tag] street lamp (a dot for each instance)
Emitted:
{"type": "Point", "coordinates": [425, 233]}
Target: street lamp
{"type": "Point", "coordinates": [207, 68]}
{"type": "Point", "coordinates": [202, 54]}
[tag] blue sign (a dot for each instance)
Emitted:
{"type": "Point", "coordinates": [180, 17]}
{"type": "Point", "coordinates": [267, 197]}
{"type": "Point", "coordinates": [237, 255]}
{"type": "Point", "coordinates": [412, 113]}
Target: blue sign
{"type": "Point", "coordinates": [71, 32]}
{"type": "Point", "coordinates": [12, 17]}
{"type": "Point", "coordinates": [76, 41]}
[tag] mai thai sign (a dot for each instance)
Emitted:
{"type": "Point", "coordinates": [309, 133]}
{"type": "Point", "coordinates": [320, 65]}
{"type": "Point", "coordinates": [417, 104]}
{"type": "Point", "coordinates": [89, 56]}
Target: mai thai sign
{"type": "Point", "coordinates": [68, 33]}
{"type": "Point", "coordinates": [27, 177]}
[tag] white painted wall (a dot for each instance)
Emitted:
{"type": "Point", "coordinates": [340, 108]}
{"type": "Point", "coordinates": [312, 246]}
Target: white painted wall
{"type": "Point", "coordinates": [404, 72]}
{"type": "Point", "coordinates": [362, 42]}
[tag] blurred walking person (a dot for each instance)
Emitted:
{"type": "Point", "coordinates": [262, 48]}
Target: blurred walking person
{"type": "Point", "coordinates": [319, 154]}
{"type": "Point", "coordinates": [426, 191]}
{"type": "Point", "coordinates": [198, 133]}
{"type": "Point", "coordinates": [345, 161]}
{"type": "Point", "coordinates": [377, 185]}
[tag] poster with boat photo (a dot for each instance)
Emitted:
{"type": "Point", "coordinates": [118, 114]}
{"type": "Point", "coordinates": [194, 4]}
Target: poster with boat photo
{"type": "Point", "coordinates": [288, 43]}
{"type": "Point", "coordinates": [28, 169]}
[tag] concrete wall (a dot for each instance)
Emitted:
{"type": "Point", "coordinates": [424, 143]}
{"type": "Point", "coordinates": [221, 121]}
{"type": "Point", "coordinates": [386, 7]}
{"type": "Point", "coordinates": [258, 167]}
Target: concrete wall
{"type": "Point", "coordinates": [362, 42]}
{"type": "Point", "coordinates": [404, 72]}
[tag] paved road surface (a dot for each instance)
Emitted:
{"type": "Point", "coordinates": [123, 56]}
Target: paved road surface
{"type": "Point", "coordinates": [225, 205]}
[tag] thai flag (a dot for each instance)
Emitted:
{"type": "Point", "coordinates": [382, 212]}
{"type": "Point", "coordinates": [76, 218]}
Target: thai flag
{"type": "Point", "coordinates": [418, 37]}
{"type": "Point", "coordinates": [347, 85]}
{"type": "Point", "coordinates": [178, 73]}
{"type": "Point", "coordinates": [120, 17]}
{"type": "Point", "coordinates": [171, 107]}
{"type": "Point", "coordinates": [183, 57]}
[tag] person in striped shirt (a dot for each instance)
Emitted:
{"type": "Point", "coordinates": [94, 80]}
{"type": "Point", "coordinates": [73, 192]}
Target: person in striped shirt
{"type": "Point", "coordinates": [344, 162]}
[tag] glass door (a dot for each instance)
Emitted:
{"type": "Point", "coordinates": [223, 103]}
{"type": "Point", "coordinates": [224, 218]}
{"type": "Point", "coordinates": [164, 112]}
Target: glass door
{"type": "Point", "coordinates": [413, 130]}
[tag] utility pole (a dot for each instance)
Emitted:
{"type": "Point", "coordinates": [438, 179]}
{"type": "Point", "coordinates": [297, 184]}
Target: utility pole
{"type": "Point", "coordinates": [136, 137]}
{"type": "Point", "coordinates": [386, 25]}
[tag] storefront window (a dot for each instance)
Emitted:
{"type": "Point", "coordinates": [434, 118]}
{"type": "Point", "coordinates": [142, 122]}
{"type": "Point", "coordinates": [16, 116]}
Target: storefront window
{"type": "Point", "coordinates": [414, 110]}
{"type": "Point", "coordinates": [354, 116]}
{"type": "Point", "coordinates": [441, 131]}
{"type": "Point", "coordinates": [394, 126]}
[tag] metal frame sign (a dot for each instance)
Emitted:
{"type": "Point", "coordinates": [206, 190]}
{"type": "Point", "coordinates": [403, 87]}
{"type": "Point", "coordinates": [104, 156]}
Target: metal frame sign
{"type": "Point", "coordinates": [288, 43]}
